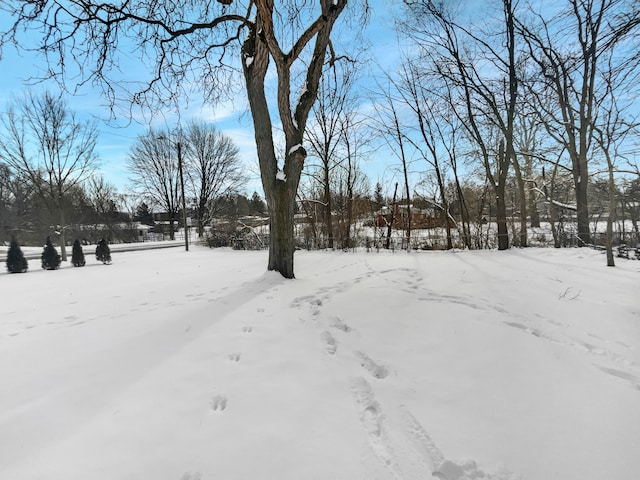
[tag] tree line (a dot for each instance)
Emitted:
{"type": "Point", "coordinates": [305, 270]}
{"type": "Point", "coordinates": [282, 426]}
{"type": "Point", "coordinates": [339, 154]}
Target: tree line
{"type": "Point", "coordinates": [50, 183]}
{"type": "Point", "coordinates": [524, 99]}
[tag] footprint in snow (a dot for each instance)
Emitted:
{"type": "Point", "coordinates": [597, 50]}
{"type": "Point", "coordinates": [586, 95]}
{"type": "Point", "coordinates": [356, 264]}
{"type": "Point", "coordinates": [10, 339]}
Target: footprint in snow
{"type": "Point", "coordinates": [247, 329]}
{"type": "Point", "coordinates": [330, 344]}
{"type": "Point", "coordinates": [376, 370]}
{"type": "Point", "coordinates": [218, 403]}
{"type": "Point", "coordinates": [234, 357]}
{"type": "Point", "coordinates": [340, 325]}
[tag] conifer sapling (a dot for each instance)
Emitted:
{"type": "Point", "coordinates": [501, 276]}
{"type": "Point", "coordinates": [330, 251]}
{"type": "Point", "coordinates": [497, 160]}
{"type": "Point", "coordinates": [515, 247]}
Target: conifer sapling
{"type": "Point", "coordinates": [103, 253]}
{"type": "Point", "coordinates": [77, 255]}
{"type": "Point", "coordinates": [16, 263]}
{"type": "Point", "coordinates": [50, 257]}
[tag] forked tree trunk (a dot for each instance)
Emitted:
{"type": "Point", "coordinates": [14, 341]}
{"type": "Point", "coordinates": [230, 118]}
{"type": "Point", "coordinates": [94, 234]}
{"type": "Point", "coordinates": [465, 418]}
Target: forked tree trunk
{"type": "Point", "coordinates": [280, 184]}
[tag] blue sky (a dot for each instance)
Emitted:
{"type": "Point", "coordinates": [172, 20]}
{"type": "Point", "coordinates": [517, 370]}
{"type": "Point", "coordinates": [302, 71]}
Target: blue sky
{"type": "Point", "coordinates": [116, 137]}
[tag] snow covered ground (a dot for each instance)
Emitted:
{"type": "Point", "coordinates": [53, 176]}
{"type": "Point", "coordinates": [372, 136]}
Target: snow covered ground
{"type": "Point", "coordinates": [201, 366]}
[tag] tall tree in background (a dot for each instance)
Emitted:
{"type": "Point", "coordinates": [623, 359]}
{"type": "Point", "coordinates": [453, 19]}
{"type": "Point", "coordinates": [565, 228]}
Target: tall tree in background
{"type": "Point", "coordinates": [212, 167]}
{"type": "Point", "coordinates": [481, 66]}
{"type": "Point", "coordinates": [153, 165]}
{"type": "Point", "coordinates": [325, 134]}
{"type": "Point", "coordinates": [45, 142]}
{"type": "Point", "coordinates": [190, 43]}
{"type": "Point", "coordinates": [429, 138]}
{"type": "Point", "coordinates": [389, 125]}
{"type": "Point", "coordinates": [103, 198]}
{"type": "Point", "coordinates": [571, 51]}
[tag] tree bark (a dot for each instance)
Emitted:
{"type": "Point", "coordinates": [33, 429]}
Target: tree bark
{"type": "Point", "coordinates": [501, 218]}
{"type": "Point", "coordinates": [393, 217]}
{"type": "Point", "coordinates": [327, 200]}
{"type": "Point", "coordinates": [522, 200]}
{"type": "Point", "coordinates": [281, 184]}
{"type": "Point", "coordinates": [63, 240]}
{"type": "Point", "coordinates": [501, 201]}
{"type": "Point", "coordinates": [281, 240]}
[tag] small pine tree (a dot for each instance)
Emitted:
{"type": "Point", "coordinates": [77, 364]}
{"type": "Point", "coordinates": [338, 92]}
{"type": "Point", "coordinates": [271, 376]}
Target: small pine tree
{"type": "Point", "coordinates": [77, 255]}
{"type": "Point", "coordinates": [50, 257]}
{"type": "Point", "coordinates": [103, 253]}
{"type": "Point", "coordinates": [16, 263]}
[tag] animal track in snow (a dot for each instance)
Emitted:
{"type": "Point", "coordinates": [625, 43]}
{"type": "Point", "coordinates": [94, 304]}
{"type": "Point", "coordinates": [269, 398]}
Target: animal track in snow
{"type": "Point", "coordinates": [247, 329]}
{"type": "Point", "coordinates": [377, 371]}
{"type": "Point", "coordinates": [234, 357]}
{"type": "Point", "coordinates": [191, 476]}
{"type": "Point", "coordinates": [330, 344]}
{"type": "Point", "coordinates": [218, 403]}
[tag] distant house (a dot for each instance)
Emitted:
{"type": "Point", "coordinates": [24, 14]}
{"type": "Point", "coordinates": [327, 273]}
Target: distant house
{"type": "Point", "coordinates": [421, 218]}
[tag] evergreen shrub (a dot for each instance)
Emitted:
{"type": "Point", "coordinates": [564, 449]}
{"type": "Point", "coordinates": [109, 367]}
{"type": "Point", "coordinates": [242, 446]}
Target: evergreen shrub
{"type": "Point", "coordinates": [16, 263]}
{"type": "Point", "coordinates": [50, 258]}
{"type": "Point", "coordinates": [103, 253]}
{"type": "Point", "coordinates": [77, 255]}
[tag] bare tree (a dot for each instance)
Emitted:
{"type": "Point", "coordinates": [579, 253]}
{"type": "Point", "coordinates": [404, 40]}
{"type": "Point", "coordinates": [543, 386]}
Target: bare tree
{"type": "Point", "coordinates": [356, 138]}
{"type": "Point", "coordinates": [44, 141]}
{"type": "Point", "coordinates": [571, 50]}
{"type": "Point", "coordinates": [390, 126]}
{"type": "Point", "coordinates": [103, 198]}
{"type": "Point", "coordinates": [191, 43]}
{"type": "Point", "coordinates": [213, 168]}
{"type": "Point", "coordinates": [424, 104]}
{"type": "Point", "coordinates": [153, 165]}
{"type": "Point", "coordinates": [616, 124]}
{"type": "Point", "coordinates": [323, 134]}
{"type": "Point", "coordinates": [331, 133]}
{"type": "Point", "coordinates": [483, 72]}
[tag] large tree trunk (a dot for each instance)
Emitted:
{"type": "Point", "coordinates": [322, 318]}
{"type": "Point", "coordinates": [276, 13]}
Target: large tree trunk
{"type": "Point", "coordinates": [63, 240]}
{"type": "Point", "coordinates": [328, 206]}
{"type": "Point", "coordinates": [172, 228]}
{"type": "Point", "coordinates": [281, 241]}
{"type": "Point", "coordinates": [201, 212]}
{"type": "Point", "coordinates": [522, 200]}
{"type": "Point", "coordinates": [281, 184]}
{"type": "Point", "coordinates": [501, 218]}
{"type": "Point", "coordinates": [581, 182]}
{"type": "Point", "coordinates": [393, 217]}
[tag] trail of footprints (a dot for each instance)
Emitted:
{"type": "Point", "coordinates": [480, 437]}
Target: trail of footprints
{"type": "Point", "coordinates": [404, 448]}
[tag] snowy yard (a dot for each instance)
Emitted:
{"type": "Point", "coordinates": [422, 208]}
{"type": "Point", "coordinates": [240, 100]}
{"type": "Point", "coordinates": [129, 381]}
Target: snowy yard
{"type": "Point", "coordinates": [168, 365]}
